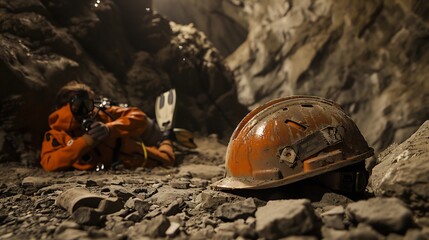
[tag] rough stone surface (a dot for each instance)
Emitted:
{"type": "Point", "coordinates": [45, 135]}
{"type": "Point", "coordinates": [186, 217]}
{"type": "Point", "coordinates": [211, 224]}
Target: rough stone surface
{"type": "Point", "coordinates": [167, 195]}
{"type": "Point", "coordinates": [172, 229]}
{"type": "Point", "coordinates": [330, 199]}
{"type": "Point", "coordinates": [366, 55]}
{"type": "Point", "coordinates": [403, 172]}
{"type": "Point", "coordinates": [213, 199]}
{"type": "Point", "coordinates": [110, 205]}
{"type": "Point", "coordinates": [120, 192]}
{"type": "Point", "coordinates": [156, 227]}
{"type": "Point", "coordinates": [180, 183]}
{"type": "Point", "coordinates": [27, 216]}
{"type": "Point", "coordinates": [86, 216]}
{"type": "Point", "coordinates": [46, 44]}
{"type": "Point", "coordinates": [284, 218]}
{"type": "Point", "coordinates": [72, 234]}
{"type": "Point", "coordinates": [203, 171]}
{"type": "Point", "coordinates": [334, 218]}
{"type": "Point", "coordinates": [173, 208]}
{"type": "Point", "coordinates": [369, 56]}
{"type": "Point", "coordinates": [142, 207]}
{"type": "Point", "coordinates": [236, 210]}
{"type": "Point", "coordinates": [362, 231]}
{"type": "Point", "coordinates": [220, 20]}
{"type": "Point", "coordinates": [383, 214]}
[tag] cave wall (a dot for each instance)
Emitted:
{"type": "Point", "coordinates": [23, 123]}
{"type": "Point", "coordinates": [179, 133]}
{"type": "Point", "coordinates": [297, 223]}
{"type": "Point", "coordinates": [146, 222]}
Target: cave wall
{"type": "Point", "coordinates": [122, 49]}
{"type": "Point", "coordinates": [369, 56]}
{"type": "Point", "coordinates": [223, 21]}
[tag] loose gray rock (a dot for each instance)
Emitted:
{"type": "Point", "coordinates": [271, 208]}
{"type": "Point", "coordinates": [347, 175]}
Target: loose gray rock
{"type": "Point", "coordinates": [236, 210]}
{"type": "Point", "coordinates": [383, 214]}
{"type": "Point", "coordinates": [244, 230]}
{"type": "Point", "coordinates": [226, 231]}
{"type": "Point", "coordinates": [213, 199]}
{"type": "Point", "coordinates": [286, 218]}
{"type": "Point", "coordinates": [71, 234]}
{"type": "Point", "coordinates": [142, 206]}
{"type": "Point", "coordinates": [154, 228]}
{"type": "Point", "coordinates": [403, 172]}
{"type": "Point", "coordinates": [134, 216]}
{"type": "Point", "coordinates": [37, 182]}
{"type": "Point", "coordinates": [153, 213]}
{"type": "Point", "coordinates": [119, 191]}
{"type": "Point", "coordinates": [110, 205]}
{"type": "Point", "coordinates": [203, 171]}
{"type": "Point", "coordinates": [66, 225]}
{"type": "Point", "coordinates": [334, 218]}
{"type": "Point", "coordinates": [86, 216]}
{"type": "Point", "coordinates": [362, 231]}
{"type": "Point", "coordinates": [167, 195]}
{"type": "Point", "coordinates": [332, 199]}
{"type": "Point", "coordinates": [300, 238]}
{"type": "Point", "coordinates": [180, 183]}
{"type": "Point", "coordinates": [173, 229]}
{"type": "Point", "coordinates": [416, 234]}
{"type": "Point", "coordinates": [205, 233]}
{"type": "Point", "coordinates": [130, 203]}
{"type": "Point", "coordinates": [32, 184]}
{"type": "Point", "coordinates": [174, 207]}
{"type": "Point", "coordinates": [199, 183]}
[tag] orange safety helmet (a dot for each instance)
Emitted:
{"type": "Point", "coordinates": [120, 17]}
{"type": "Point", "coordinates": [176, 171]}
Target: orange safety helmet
{"type": "Point", "coordinates": [290, 139]}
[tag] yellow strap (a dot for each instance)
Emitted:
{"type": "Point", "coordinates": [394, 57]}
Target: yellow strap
{"type": "Point", "coordinates": [144, 154]}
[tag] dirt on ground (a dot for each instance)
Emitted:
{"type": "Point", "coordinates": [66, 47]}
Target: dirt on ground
{"type": "Point", "coordinates": [179, 203]}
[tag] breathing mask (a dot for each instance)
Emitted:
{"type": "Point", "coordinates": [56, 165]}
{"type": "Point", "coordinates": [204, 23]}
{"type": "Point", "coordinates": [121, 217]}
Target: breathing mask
{"type": "Point", "coordinates": [81, 106]}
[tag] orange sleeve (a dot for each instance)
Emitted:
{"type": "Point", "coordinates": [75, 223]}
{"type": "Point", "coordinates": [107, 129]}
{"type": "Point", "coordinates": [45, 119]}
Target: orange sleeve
{"type": "Point", "coordinates": [128, 121]}
{"type": "Point", "coordinates": [60, 151]}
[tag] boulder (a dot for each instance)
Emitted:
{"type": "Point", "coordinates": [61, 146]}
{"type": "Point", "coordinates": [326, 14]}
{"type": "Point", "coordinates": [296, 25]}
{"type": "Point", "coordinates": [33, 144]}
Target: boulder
{"type": "Point", "coordinates": [284, 218]}
{"type": "Point", "coordinates": [236, 210]}
{"type": "Point", "coordinates": [357, 53]}
{"type": "Point", "coordinates": [383, 214]}
{"type": "Point", "coordinates": [403, 172]}
{"type": "Point", "coordinates": [153, 228]}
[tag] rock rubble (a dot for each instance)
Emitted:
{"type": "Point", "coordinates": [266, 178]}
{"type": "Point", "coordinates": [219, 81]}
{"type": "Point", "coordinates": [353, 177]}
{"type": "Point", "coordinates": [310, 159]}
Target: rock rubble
{"type": "Point", "coordinates": [142, 204]}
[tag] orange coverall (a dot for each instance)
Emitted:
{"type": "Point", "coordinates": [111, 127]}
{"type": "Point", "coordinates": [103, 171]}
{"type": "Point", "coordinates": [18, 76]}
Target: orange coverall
{"type": "Point", "coordinates": [66, 146]}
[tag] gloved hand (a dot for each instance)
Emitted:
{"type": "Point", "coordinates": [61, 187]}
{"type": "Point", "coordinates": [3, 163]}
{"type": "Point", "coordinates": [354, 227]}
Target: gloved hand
{"type": "Point", "coordinates": [98, 131]}
{"type": "Point", "coordinates": [168, 135]}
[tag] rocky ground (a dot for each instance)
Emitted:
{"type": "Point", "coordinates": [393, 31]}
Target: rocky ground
{"type": "Point", "coordinates": [178, 203]}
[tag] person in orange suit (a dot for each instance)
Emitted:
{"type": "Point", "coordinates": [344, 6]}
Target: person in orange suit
{"type": "Point", "coordinates": [86, 138]}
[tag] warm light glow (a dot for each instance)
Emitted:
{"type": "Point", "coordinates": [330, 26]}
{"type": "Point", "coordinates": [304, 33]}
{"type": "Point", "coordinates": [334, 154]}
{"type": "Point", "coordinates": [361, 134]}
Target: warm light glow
{"type": "Point", "coordinates": [260, 130]}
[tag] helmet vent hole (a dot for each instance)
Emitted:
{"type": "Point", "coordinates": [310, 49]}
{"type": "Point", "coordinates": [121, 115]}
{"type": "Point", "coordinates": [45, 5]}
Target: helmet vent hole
{"type": "Point", "coordinates": [307, 105]}
{"type": "Point", "coordinates": [296, 125]}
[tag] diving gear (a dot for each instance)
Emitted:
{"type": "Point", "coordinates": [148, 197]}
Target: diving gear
{"type": "Point", "coordinates": [164, 109]}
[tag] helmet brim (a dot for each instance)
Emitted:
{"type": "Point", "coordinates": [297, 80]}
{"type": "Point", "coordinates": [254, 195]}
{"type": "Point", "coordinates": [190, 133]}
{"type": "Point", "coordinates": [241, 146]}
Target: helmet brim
{"type": "Point", "coordinates": [231, 183]}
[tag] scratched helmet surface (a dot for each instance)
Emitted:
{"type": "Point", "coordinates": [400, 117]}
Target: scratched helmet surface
{"type": "Point", "coordinates": [290, 139]}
